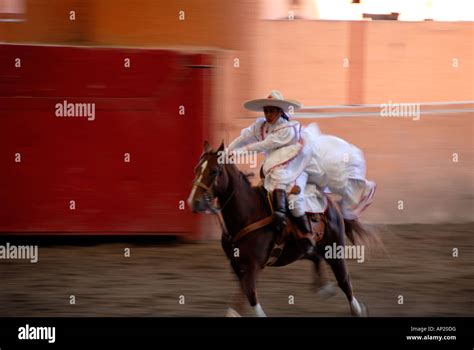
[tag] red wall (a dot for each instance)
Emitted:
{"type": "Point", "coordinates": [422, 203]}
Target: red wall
{"type": "Point", "coordinates": [71, 158]}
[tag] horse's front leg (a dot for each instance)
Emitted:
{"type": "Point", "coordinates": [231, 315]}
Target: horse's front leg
{"type": "Point", "coordinates": [247, 276]}
{"type": "Point", "coordinates": [239, 299]}
{"type": "Point", "coordinates": [248, 281]}
{"type": "Point", "coordinates": [247, 267]}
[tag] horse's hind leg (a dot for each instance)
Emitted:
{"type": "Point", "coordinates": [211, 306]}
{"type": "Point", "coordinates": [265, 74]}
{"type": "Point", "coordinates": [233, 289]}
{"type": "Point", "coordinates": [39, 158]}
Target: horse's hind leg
{"type": "Point", "coordinates": [323, 286]}
{"type": "Point", "coordinates": [344, 281]}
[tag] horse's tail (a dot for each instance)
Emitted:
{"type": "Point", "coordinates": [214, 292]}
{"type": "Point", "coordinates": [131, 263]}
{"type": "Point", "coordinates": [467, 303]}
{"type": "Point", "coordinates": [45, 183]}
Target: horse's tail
{"type": "Point", "coordinates": [361, 234]}
{"type": "Point", "coordinates": [355, 231]}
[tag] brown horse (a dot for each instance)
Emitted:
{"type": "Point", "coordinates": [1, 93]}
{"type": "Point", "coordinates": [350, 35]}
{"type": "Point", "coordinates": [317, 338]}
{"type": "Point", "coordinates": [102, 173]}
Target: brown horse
{"type": "Point", "coordinates": [249, 237]}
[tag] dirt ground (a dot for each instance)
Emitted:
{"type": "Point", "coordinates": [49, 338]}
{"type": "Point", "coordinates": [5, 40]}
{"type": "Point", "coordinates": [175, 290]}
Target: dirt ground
{"type": "Point", "coordinates": [419, 265]}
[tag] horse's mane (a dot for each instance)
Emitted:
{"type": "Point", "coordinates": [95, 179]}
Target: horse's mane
{"type": "Point", "coordinates": [258, 190]}
{"type": "Point", "coordinates": [245, 177]}
{"type": "Point", "coordinates": [261, 192]}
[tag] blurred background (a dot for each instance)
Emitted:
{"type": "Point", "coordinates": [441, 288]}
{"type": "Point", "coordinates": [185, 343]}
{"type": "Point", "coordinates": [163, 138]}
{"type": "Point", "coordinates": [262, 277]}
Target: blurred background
{"type": "Point", "coordinates": [342, 59]}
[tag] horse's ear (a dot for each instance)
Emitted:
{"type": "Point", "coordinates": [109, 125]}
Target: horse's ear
{"type": "Point", "coordinates": [207, 147]}
{"type": "Point", "coordinates": [221, 147]}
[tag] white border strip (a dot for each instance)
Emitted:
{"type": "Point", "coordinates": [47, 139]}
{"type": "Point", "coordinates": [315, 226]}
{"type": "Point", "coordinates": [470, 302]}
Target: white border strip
{"type": "Point", "coordinates": [12, 20]}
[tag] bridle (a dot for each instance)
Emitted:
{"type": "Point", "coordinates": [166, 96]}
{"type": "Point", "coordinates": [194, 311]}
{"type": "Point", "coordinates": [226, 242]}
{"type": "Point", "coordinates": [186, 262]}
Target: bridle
{"type": "Point", "coordinates": [209, 195]}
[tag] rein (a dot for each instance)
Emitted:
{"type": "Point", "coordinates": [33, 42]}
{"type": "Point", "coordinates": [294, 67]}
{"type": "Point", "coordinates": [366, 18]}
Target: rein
{"type": "Point", "coordinates": [247, 229]}
{"type": "Point", "coordinates": [252, 227]}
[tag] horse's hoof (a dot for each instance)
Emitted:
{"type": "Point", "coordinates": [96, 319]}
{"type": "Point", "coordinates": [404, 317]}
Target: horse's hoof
{"type": "Point", "coordinates": [364, 310]}
{"type": "Point", "coordinates": [359, 309]}
{"type": "Point", "coordinates": [327, 291]}
{"type": "Point", "coordinates": [232, 313]}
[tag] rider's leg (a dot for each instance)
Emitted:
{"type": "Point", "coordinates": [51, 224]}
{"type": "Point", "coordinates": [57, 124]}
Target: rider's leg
{"type": "Point", "coordinates": [366, 198]}
{"type": "Point", "coordinates": [305, 238]}
{"type": "Point", "coordinates": [296, 203]}
{"type": "Point", "coordinates": [296, 195]}
{"type": "Point", "coordinates": [279, 207]}
{"type": "Point", "coordinates": [357, 192]}
{"type": "Point", "coordinates": [273, 184]}
{"type": "Point", "coordinates": [356, 196]}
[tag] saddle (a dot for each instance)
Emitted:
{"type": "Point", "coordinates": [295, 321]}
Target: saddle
{"type": "Point", "coordinates": [317, 223]}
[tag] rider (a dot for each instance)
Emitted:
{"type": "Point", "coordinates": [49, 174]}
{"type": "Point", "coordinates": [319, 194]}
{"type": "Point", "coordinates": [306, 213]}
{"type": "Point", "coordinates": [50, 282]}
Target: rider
{"type": "Point", "coordinates": [281, 141]}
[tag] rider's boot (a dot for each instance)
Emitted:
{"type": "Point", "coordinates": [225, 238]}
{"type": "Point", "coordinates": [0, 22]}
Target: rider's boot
{"type": "Point", "coordinates": [305, 236]}
{"type": "Point", "coordinates": [279, 209]}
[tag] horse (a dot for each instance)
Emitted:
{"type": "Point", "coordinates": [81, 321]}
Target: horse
{"type": "Point", "coordinates": [249, 235]}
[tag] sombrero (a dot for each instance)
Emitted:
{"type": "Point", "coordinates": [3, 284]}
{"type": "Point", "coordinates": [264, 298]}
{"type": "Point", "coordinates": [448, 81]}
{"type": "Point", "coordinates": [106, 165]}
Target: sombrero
{"type": "Point", "coordinates": [273, 99]}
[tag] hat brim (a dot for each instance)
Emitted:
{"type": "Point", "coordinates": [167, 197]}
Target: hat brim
{"type": "Point", "coordinates": [258, 104]}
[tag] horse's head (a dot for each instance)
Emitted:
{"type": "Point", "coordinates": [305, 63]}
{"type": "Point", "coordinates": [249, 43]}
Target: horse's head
{"type": "Point", "coordinates": [209, 179]}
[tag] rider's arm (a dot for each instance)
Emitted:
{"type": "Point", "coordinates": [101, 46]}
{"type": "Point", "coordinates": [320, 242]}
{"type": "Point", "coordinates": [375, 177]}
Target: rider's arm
{"type": "Point", "coordinates": [280, 138]}
{"type": "Point", "coordinates": [248, 135]}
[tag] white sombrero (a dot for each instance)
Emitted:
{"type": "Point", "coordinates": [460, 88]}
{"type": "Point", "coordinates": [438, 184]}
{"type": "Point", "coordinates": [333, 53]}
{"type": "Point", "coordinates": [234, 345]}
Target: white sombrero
{"type": "Point", "coordinates": [274, 99]}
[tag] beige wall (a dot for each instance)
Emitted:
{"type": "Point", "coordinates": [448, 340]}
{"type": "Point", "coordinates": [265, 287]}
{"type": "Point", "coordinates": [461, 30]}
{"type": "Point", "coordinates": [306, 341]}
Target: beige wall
{"type": "Point", "coordinates": [302, 60]}
{"type": "Point", "coordinates": [413, 61]}
{"type": "Point", "coordinates": [397, 61]}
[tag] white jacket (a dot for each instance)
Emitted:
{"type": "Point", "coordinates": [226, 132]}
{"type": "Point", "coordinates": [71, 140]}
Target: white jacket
{"type": "Point", "coordinates": [280, 142]}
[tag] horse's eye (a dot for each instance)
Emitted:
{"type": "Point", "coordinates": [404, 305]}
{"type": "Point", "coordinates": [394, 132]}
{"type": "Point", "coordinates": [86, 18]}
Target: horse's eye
{"type": "Point", "coordinates": [214, 172]}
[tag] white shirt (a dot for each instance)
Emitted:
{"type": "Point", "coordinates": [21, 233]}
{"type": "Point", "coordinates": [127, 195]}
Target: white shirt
{"type": "Point", "coordinates": [265, 137]}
